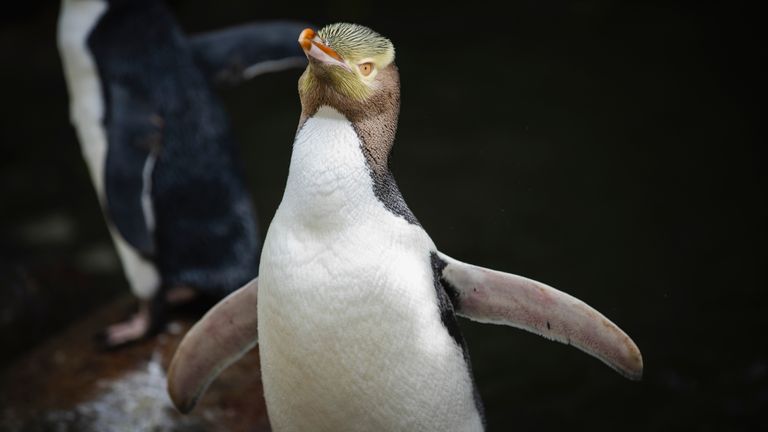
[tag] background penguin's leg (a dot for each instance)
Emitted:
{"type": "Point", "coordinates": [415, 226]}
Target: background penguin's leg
{"type": "Point", "coordinates": [145, 282]}
{"type": "Point", "coordinates": [220, 338]}
{"type": "Point", "coordinates": [135, 136]}
{"type": "Point", "coordinates": [240, 53]}
{"type": "Point", "coordinates": [495, 297]}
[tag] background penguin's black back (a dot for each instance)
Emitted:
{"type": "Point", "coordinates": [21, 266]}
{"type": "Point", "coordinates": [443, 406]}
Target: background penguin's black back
{"type": "Point", "coordinates": [206, 235]}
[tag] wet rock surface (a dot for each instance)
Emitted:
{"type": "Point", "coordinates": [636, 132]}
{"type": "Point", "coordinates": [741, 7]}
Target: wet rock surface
{"type": "Point", "coordinates": [67, 384]}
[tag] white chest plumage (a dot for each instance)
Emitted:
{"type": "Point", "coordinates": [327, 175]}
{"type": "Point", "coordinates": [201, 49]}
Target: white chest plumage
{"type": "Point", "coordinates": [348, 317]}
{"type": "Point", "coordinates": [77, 20]}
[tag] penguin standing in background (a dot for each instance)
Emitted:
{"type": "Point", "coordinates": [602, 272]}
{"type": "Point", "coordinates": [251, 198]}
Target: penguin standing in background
{"type": "Point", "coordinates": [356, 306]}
{"type": "Point", "coordinates": [159, 148]}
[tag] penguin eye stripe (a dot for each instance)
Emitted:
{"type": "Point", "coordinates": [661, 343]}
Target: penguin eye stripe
{"type": "Point", "coordinates": [366, 68]}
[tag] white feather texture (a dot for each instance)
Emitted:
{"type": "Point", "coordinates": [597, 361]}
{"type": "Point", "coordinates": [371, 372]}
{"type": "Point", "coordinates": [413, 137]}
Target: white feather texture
{"type": "Point", "coordinates": [350, 332]}
{"type": "Point", "coordinates": [76, 21]}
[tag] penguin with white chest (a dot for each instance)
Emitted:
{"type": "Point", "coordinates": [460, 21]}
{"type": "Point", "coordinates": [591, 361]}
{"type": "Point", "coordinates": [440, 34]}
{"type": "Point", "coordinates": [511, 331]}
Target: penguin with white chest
{"type": "Point", "coordinates": [159, 148]}
{"type": "Point", "coordinates": [355, 308]}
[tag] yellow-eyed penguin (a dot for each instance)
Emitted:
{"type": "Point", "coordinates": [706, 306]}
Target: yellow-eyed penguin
{"type": "Point", "coordinates": [356, 306]}
{"type": "Point", "coordinates": [159, 148]}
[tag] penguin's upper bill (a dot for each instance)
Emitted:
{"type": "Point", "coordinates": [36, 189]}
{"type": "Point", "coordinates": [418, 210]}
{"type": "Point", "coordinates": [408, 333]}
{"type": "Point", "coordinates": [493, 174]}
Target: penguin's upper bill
{"type": "Point", "coordinates": [347, 58]}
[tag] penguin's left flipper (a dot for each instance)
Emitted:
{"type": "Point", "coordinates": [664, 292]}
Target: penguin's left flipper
{"type": "Point", "coordinates": [221, 337]}
{"type": "Point", "coordinates": [495, 297]}
{"type": "Point", "coordinates": [135, 134]}
{"type": "Point", "coordinates": [240, 53]}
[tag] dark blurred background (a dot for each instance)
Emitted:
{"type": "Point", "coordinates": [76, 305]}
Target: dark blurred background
{"type": "Point", "coordinates": [607, 148]}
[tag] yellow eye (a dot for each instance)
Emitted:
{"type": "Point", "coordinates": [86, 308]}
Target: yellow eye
{"type": "Point", "coordinates": [366, 68]}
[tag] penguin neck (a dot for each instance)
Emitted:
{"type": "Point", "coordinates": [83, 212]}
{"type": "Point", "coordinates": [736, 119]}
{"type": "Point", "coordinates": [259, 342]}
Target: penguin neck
{"type": "Point", "coordinates": [374, 123]}
{"type": "Point", "coordinates": [329, 180]}
{"type": "Point", "coordinates": [374, 119]}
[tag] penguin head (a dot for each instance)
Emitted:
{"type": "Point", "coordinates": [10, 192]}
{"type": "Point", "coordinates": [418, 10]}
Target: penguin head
{"type": "Point", "coordinates": [351, 68]}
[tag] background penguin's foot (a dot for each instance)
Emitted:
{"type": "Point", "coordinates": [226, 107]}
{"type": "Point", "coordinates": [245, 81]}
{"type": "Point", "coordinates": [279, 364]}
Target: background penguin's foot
{"type": "Point", "coordinates": [153, 315]}
{"type": "Point", "coordinates": [125, 332]}
{"type": "Point", "coordinates": [145, 323]}
{"type": "Point", "coordinates": [65, 384]}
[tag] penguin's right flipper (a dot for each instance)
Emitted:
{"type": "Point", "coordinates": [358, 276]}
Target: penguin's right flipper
{"type": "Point", "coordinates": [220, 338]}
{"type": "Point", "coordinates": [134, 133]}
{"type": "Point", "coordinates": [495, 297]}
{"type": "Point", "coordinates": [240, 53]}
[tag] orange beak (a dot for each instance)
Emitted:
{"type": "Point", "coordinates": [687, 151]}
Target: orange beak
{"type": "Point", "coordinates": [316, 49]}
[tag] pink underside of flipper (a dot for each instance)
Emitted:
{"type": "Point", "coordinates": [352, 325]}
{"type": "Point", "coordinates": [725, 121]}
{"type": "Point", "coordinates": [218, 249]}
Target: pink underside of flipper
{"type": "Point", "coordinates": [495, 297]}
{"type": "Point", "coordinates": [220, 338]}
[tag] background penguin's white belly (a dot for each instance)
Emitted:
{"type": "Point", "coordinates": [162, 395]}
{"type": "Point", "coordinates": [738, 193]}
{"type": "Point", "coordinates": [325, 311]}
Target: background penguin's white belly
{"type": "Point", "coordinates": [77, 20]}
{"type": "Point", "coordinates": [349, 327]}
